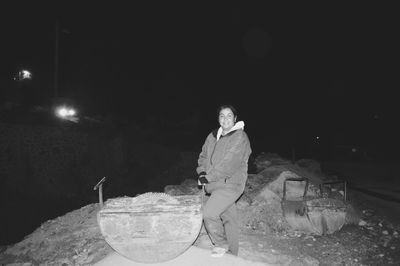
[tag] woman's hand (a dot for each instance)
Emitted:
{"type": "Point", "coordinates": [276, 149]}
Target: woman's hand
{"type": "Point", "coordinates": [202, 178]}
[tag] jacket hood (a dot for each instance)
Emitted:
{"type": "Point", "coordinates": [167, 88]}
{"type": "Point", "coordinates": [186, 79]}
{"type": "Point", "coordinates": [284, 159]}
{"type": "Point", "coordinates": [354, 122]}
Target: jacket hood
{"type": "Point", "coordinates": [238, 125]}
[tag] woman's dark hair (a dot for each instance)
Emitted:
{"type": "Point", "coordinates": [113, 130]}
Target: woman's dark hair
{"type": "Point", "coordinates": [228, 106]}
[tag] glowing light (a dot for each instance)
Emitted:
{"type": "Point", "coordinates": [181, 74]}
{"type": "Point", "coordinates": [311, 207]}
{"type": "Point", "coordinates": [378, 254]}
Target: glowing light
{"type": "Point", "coordinates": [26, 74]}
{"type": "Point", "coordinates": [71, 112]}
{"type": "Point", "coordinates": [62, 111]}
{"type": "Point", "coordinates": [67, 113]}
{"type": "Point", "coordinates": [23, 75]}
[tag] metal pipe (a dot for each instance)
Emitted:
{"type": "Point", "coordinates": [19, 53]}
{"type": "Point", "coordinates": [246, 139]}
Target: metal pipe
{"type": "Point", "coordinates": [99, 186]}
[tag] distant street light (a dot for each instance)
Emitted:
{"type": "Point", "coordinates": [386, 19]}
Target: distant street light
{"type": "Point", "coordinates": [23, 75]}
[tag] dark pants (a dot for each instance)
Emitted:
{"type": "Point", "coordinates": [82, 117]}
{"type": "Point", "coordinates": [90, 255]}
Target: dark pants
{"type": "Point", "coordinates": [221, 221]}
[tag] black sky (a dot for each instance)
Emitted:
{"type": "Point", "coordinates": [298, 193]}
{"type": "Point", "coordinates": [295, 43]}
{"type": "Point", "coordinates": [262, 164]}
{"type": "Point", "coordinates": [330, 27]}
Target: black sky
{"type": "Point", "coordinates": [318, 65]}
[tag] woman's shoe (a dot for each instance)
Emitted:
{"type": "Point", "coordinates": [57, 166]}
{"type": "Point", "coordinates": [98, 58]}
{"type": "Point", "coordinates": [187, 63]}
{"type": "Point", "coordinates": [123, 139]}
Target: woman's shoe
{"type": "Point", "coordinates": [218, 252]}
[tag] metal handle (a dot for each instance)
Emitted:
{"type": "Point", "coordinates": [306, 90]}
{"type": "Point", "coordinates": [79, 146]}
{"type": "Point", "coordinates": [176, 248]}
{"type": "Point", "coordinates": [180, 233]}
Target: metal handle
{"type": "Point", "coordinates": [99, 186]}
{"type": "Point", "coordinates": [300, 179]}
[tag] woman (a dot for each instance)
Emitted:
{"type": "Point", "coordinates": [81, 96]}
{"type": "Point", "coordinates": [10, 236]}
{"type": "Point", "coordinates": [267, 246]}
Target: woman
{"type": "Point", "coordinates": [222, 168]}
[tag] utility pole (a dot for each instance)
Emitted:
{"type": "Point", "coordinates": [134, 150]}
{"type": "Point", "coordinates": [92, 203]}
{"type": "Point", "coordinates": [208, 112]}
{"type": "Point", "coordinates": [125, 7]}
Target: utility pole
{"type": "Point", "coordinates": [56, 61]}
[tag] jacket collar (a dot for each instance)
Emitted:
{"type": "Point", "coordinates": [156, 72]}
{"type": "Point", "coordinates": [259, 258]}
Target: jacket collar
{"type": "Point", "coordinates": [238, 125]}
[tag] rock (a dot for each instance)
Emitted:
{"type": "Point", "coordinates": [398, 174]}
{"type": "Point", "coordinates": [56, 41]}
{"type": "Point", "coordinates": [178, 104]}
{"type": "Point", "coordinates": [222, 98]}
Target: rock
{"type": "Point", "coordinates": [368, 212]}
{"type": "Point", "coordinates": [386, 241]}
{"type": "Point", "coordinates": [362, 223]}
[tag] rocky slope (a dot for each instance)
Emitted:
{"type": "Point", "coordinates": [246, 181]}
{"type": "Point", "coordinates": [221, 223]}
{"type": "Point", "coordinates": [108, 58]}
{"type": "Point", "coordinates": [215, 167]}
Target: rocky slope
{"type": "Point", "coordinates": [365, 239]}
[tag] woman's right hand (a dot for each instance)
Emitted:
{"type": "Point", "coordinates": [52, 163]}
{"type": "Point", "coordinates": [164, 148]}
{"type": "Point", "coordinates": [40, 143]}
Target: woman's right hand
{"type": "Point", "coordinates": [202, 178]}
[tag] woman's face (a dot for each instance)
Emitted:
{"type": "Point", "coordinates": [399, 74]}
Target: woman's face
{"type": "Point", "coordinates": [226, 119]}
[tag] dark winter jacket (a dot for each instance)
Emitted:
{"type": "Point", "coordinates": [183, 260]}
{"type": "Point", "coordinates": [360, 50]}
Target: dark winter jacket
{"type": "Point", "coordinates": [224, 159]}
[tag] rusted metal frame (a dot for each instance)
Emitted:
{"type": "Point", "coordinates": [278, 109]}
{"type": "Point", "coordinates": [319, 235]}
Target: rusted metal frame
{"type": "Point", "coordinates": [99, 186]}
{"type": "Point", "coordinates": [301, 179]}
{"type": "Point", "coordinates": [334, 182]}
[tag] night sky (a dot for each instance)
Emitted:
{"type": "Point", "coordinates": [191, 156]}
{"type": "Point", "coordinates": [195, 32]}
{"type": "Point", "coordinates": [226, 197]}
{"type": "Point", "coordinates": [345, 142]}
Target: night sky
{"type": "Point", "coordinates": [294, 70]}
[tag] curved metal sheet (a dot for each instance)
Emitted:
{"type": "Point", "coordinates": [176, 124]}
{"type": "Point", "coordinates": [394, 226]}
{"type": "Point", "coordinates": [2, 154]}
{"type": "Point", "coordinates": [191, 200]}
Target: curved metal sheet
{"type": "Point", "coordinates": [152, 227]}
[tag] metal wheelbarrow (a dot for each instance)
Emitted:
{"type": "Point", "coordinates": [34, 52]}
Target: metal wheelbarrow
{"type": "Point", "coordinates": [319, 215]}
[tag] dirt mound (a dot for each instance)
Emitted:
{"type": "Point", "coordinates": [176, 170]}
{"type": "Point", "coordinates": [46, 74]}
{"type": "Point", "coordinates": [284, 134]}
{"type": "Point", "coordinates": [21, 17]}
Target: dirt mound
{"type": "Point", "coordinates": [75, 238]}
{"type": "Point", "coordinates": [72, 239]}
